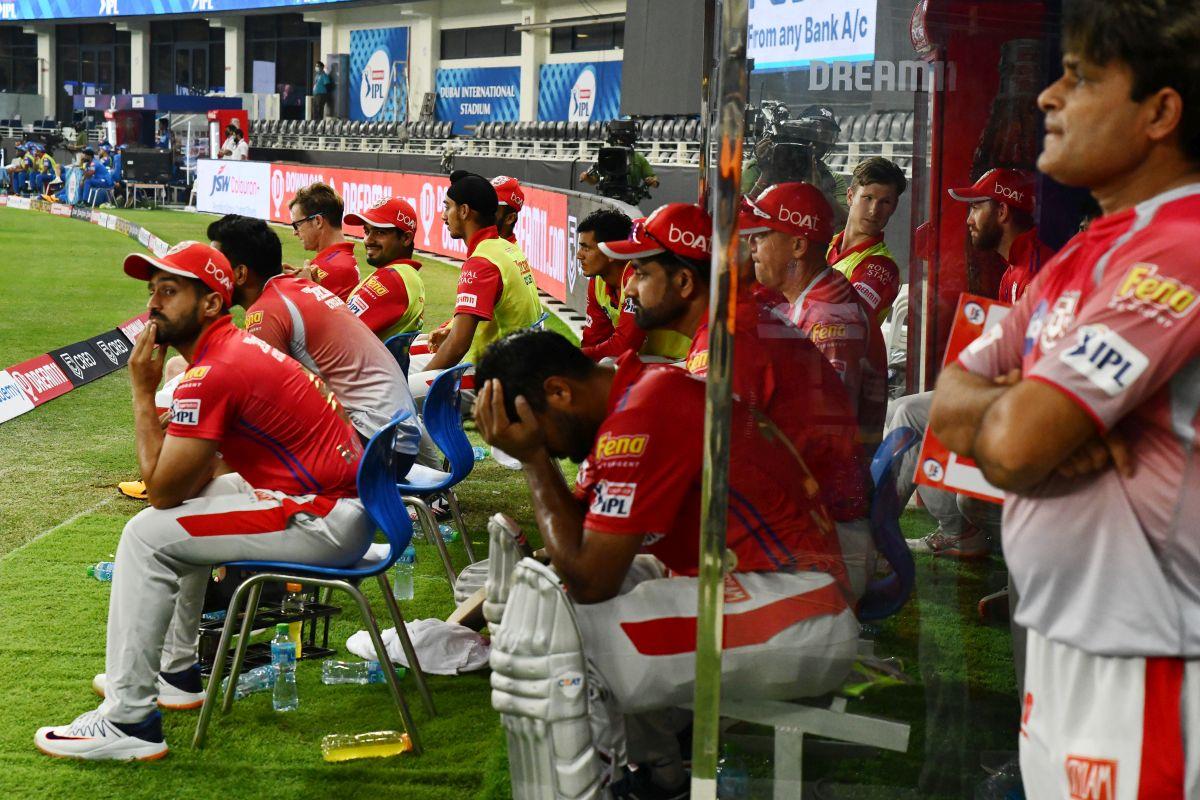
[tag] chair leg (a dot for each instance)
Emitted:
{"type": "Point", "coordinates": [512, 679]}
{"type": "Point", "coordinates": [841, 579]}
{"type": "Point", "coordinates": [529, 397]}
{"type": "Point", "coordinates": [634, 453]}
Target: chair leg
{"type": "Point", "coordinates": [406, 643]}
{"type": "Point", "coordinates": [239, 654]}
{"type": "Point", "coordinates": [214, 678]}
{"type": "Point", "coordinates": [452, 499]}
{"type": "Point", "coordinates": [430, 526]}
{"type": "Point", "coordinates": [382, 653]}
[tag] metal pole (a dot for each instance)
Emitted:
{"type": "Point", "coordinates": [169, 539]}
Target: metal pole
{"type": "Point", "coordinates": [707, 101]}
{"type": "Point", "coordinates": [732, 82]}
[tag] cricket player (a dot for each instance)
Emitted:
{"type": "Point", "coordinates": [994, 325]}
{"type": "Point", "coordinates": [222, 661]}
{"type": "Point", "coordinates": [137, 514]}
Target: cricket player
{"type": "Point", "coordinates": [1084, 406]}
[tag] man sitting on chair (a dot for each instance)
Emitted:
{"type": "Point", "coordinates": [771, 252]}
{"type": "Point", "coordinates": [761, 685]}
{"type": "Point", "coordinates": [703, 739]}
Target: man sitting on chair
{"type": "Point", "coordinates": [293, 496]}
{"type": "Point", "coordinates": [638, 432]}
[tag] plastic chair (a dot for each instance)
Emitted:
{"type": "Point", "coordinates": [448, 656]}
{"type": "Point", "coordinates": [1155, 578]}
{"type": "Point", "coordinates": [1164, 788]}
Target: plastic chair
{"type": "Point", "coordinates": [378, 491]}
{"type": "Point", "coordinates": [398, 345]}
{"type": "Point", "coordinates": [443, 421]}
{"type": "Point", "coordinates": [885, 596]}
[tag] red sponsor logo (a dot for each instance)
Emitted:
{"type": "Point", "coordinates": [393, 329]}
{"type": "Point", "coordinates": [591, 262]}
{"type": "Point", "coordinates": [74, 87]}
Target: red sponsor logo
{"type": "Point", "coordinates": [1091, 778]}
{"type": "Point", "coordinates": [734, 591]}
{"type": "Point", "coordinates": [1026, 713]}
{"type": "Point", "coordinates": [41, 379]}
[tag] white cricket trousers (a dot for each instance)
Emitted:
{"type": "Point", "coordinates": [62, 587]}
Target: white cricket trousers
{"type": "Point", "coordinates": [1108, 727]}
{"type": "Point", "coordinates": [165, 557]}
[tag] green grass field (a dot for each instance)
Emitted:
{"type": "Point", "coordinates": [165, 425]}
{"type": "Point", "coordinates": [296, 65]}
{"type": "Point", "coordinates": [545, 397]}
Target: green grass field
{"type": "Point", "coordinates": [59, 512]}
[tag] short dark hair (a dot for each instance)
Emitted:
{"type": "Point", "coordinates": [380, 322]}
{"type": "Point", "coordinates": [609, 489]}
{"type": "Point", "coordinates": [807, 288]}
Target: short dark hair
{"type": "Point", "coordinates": [321, 64]}
{"type": "Point", "coordinates": [1158, 40]}
{"type": "Point", "coordinates": [607, 224]}
{"type": "Point", "coordinates": [320, 198]}
{"type": "Point", "coordinates": [878, 169]}
{"type": "Point", "coordinates": [245, 240]}
{"type": "Point", "coordinates": [523, 360]}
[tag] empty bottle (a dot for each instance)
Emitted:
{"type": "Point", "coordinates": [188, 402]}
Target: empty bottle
{"type": "Point", "coordinates": [283, 660]}
{"type": "Point", "coordinates": [103, 571]}
{"type": "Point", "coordinates": [733, 779]}
{"type": "Point", "coordinates": [258, 679]}
{"type": "Point", "coordinates": [359, 672]}
{"type": "Point", "coordinates": [377, 744]}
{"type": "Point", "coordinates": [293, 603]}
{"type": "Point", "coordinates": [402, 574]}
{"type": "Point", "coordinates": [480, 452]}
{"type": "Point", "coordinates": [448, 533]}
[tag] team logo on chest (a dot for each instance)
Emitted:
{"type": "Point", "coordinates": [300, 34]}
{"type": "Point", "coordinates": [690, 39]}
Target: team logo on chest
{"type": "Point", "coordinates": [1057, 320]}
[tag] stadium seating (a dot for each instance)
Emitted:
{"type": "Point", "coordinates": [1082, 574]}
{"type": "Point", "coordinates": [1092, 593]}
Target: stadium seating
{"type": "Point", "coordinates": [663, 140]}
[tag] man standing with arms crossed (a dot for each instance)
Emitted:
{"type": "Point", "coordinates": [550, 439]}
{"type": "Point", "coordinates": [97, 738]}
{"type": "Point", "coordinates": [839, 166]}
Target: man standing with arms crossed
{"type": "Point", "coordinates": [317, 222]}
{"type": "Point", "coordinates": [1083, 406]}
{"type": "Point", "coordinates": [293, 496]}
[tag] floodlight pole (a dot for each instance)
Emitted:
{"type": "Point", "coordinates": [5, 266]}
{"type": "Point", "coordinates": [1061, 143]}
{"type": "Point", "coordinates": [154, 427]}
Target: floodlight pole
{"type": "Point", "coordinates": [731, 91]}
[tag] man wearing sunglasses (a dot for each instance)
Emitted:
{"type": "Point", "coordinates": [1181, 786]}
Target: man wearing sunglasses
{"type": "Point", "coordinates": [317, 222]}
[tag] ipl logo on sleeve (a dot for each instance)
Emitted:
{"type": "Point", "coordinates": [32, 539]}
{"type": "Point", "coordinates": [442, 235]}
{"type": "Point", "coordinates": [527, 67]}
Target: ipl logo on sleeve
{"type": "Point", "coordinates": [185, 411]}
{"type": "Point", "coordinates": [612, 499]}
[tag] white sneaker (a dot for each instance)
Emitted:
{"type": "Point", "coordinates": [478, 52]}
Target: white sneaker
{"type": "Point", "coordinates": [169, 696]}
{"type": "Point", "coordinates": [91, 737]}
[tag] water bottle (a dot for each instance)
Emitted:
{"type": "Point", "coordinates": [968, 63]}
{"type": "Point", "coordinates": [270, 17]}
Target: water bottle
{"type": "Point", "coordinates": [283, 660]}
{"type": "Point", "coordinates": [377, 744]}
{"type": "Point", "coordinates": [258, 679]}
{"type": "Point", "coordinates": [402, 574]}
{"type": "Point", "coordinates": [359, 672]}
{"type": "Point", "coordinates": [293, 603]}
{"type": "Point", "coordinates": [102, 571]}
{"type": "Point", "coordinates": [480, 452]}
{"type": "Point", "coordinates": [733, 780]}
{"type": "Point", "coordinates": [448, 533]}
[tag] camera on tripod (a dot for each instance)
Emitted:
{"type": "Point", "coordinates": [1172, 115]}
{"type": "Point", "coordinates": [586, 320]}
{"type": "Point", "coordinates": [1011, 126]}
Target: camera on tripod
{"type": "Point", "coordinates": [789, 149]}
{"type": "Point", "coordinates": [615, 161]}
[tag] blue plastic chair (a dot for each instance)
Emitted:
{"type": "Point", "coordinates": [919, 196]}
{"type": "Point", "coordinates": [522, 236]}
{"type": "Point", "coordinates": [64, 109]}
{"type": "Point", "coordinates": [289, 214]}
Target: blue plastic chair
{"type": "Point", "coordinates": [443, 421]}
{"type": "Point", "coordinates": [885, 596]}
{"type": "Point", "coordinates": [379, 495]}
{"type": "Point", "coordinates": [398, 345]}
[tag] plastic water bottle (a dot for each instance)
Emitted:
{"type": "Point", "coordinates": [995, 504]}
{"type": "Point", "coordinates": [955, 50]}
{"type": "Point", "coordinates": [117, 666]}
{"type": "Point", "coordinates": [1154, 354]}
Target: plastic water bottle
{"type": "Point", "coordinates": [402, 574]}
{"type": "Point", "coordinates": [258, 679]}
{"type": "Point", "coordinates": [480, 452]}
{"type": "Point", "coordinates": [283, 660]}
{"type": "Point", "coordinates": [103, 571]}
{"type": "Point", "coordinates": [293, 603]}
{"type": "Point", "coordinates": [448, 533]}
{"type": "Point", "coordinates": [377, 744]}
{"type": "Point", "coordinates": [359, 672]}
{"type": "Point", "coordinates": [733, 780]}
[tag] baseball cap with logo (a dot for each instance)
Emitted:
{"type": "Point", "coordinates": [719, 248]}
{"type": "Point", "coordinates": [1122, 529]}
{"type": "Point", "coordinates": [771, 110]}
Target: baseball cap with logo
{"type": "Point", "coordinates": [508, 192]}
{"type": "Point", "coordinates": [683, 229]}
{"type": "Point", "coordinates": [390, 212]}
{"type": "Point", "coordinates": [188, 260]}
{"type": "Point", "coordinates": [1013, 187]}
{"type": "Point", "coordinates": [797, 209]}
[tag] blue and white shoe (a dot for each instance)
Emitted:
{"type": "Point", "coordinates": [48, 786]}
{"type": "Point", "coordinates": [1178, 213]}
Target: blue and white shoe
{"type": "Point", "coordinates": [91, 737]}
{"type": "Point", "coordinates": [171, 694]}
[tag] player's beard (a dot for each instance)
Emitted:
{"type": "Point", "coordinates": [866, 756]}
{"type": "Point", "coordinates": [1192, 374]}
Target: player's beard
{"type": "Point", "coordinates": [659, 316]}
{"type": "Point", "coordinates": [179, 331]}
{"type": "Point", "coordinates": [576, 436]}
{"type": "Point", "coordinates": [987, 236]}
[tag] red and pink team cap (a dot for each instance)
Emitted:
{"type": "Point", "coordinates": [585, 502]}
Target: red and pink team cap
{"type": "Point", "coordinates": [188, 260]}
{"type": "Point", "coordinates": [508, 192]}
{"type": "Point", "coordinates": [390, 212]}
{"type": "Point", "coordinates": [797, 209]}
{"type": "Point", "coordinates": [1014, 187]}
{"type": "Point", "coordinates": [683, 229]}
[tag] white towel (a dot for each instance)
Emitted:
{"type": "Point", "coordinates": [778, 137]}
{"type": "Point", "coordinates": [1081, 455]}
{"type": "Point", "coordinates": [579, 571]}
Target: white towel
{"type": "Point", "coordinates": [443, 648]}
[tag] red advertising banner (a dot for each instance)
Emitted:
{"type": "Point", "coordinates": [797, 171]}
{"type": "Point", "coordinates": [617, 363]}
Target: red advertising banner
{"type": "Point", "coordinates": [541, 229]}
{"type": "Point", "coordinates": [41, 379]}
{"type": "Point", "coordinates": [937, 466]}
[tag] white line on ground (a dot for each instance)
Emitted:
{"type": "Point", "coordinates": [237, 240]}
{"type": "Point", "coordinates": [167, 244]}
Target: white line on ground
{"type": "Point", "coordinates": [59, 526]}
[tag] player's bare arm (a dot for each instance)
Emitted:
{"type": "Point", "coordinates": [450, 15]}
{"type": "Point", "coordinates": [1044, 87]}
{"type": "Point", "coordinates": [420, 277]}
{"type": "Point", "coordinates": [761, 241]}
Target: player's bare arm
{"type": "Point", "coordinates": [1019, 431]}
{"type": "Point", "coordinates": [455, 344]}
{"type": "Point", "coordinates": [592, 564]}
